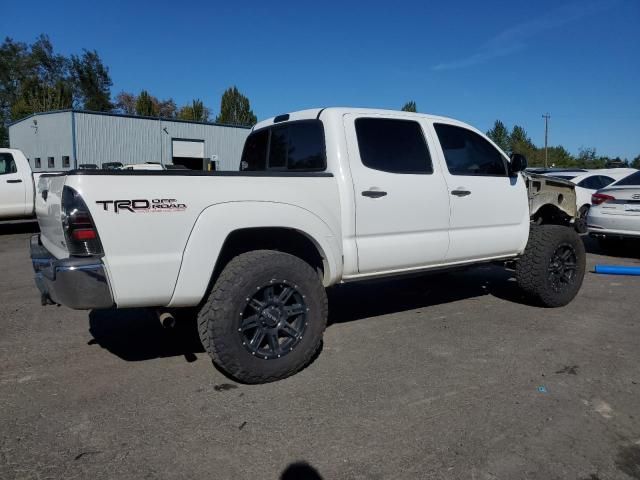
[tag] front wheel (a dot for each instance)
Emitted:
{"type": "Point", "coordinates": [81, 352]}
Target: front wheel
{"type": "Point", "coordinates": [265, 316]}
{"type": "Point", "coordinates": [552, 267]}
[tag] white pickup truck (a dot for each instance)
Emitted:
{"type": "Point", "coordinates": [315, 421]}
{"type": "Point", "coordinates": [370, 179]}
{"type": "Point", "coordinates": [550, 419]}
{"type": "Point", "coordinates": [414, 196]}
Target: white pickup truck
{"type": "Point", "coordinates": [17, 185]}
{"type": "Point", "coordinates": [322, 197]}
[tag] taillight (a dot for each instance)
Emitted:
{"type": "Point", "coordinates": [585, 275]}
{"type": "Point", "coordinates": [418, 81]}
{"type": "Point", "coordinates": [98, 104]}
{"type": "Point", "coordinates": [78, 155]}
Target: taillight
{"type": "Point", "coordinates": [598, 198]}
{"type": "Point", "coordinates": [79, 229]}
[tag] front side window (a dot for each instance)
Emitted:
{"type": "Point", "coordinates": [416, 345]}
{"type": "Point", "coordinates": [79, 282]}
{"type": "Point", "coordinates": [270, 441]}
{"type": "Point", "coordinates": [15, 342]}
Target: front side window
{"type": "Point", "coordinates": [295, 146]}
{"type": "Point", "coordinates": [7, 164]}
{"type": "Point", "coordinates": [394, 146]}
{"type": "Point", "coordinates": [467, 153]}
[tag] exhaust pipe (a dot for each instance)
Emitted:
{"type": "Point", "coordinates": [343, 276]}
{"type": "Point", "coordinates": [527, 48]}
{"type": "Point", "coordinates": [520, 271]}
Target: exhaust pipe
{"type": "Point", "coordinates": [167, 320]}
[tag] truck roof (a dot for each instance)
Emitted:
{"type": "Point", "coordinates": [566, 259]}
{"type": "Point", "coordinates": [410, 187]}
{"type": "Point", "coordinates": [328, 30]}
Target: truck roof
{"type": "Point", "coordinates": [314, 113]}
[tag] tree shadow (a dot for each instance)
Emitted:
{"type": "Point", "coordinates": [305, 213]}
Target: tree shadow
{"type": "Point", "coordinates": [18, 226]}
{"type": "Point", "coordinates": [300, 471]}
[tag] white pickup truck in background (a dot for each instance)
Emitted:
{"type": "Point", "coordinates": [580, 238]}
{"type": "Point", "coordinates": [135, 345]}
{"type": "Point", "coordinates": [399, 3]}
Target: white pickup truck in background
{"type": "Point", "coordinates": [322, 197]}
{"type": "Point", "coordinates": [17, 185]}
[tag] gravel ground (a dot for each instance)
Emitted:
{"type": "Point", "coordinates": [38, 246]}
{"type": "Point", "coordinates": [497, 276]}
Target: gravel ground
{"type": "Point", "coordinates": [444, 376]}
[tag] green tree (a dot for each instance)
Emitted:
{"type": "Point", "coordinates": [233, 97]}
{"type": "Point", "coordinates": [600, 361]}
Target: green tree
{"type": "Point", "coordinates": [92, 81]}
{"type": "Point", "coordinates": [235, 109]}
{"type": "Point", "coordinates": [145, 105]}
{"type": "Point", "coordinates": [410, 107]}
{"type": "Point", "coordinates": [196, 112]}
{"type": "Point", "coordinates": [32, 78]}
{"type": "Point", "coordinates": [500, 135]}
{"type": "Point", "coordinates": [635, 163]}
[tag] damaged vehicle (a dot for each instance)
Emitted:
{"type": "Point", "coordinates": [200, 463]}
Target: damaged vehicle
{"type": "Point", "coordinates": [322, 197]}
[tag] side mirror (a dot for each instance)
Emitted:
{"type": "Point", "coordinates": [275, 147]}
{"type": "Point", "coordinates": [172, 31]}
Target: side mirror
{"type": "Point", "coordinates": [518, 162]}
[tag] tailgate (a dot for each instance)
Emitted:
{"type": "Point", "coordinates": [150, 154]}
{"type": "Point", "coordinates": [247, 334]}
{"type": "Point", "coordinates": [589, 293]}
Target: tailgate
{"type": "Point", "coordinates": [48, 204]}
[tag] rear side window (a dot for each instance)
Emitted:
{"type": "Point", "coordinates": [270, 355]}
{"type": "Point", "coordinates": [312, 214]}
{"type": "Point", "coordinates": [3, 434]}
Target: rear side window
{"type": "Point", "coordinates": [467, 153]}
{"type": "Point", "coordinates": [295, 146]}
{"type": "Point", "coordinates": [633, 179]}
{"type": "Point", "coordinates": [7, 164]}
{"type": "Point", "coordinates": [595, 182]}
{"type": "Point", "coordinates": [394, 146]}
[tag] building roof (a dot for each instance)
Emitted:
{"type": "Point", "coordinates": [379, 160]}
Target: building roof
{"type": "Point", "coordinates": [124, 115]}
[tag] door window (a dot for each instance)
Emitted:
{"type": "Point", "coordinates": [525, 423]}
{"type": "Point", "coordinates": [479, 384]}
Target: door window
{"type": "Point", "coordinates": [7, 164]}
{"type": "Point", "coordinates": [467, 153]}
{"type": "Point", "coordinates": [394, 146]}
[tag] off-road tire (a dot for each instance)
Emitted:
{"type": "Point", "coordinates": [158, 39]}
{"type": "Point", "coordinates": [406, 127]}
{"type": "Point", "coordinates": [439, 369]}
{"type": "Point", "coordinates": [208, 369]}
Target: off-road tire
{"type": "Point", "coordinates": [220, 316]}
{"type": "Point", "coordinates": [534, 267]}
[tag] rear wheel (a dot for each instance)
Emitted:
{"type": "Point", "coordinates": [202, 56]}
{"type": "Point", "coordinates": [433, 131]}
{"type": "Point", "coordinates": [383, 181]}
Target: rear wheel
{"type": "Point", "coordinates": [265, 316]}
{"type": "Point", "coordinates": [552, 267]}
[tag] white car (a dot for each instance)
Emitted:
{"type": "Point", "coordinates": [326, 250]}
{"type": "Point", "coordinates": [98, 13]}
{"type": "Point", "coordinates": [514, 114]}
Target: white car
{"type": "Point", "coordinates": [590, 181]}
{"type": "Point", "coordinates": [325, 196]}
{"type": "Point", "coordinates": [615, 210]}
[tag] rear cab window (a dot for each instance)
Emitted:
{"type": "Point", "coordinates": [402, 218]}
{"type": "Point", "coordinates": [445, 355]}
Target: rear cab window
{"type": "Point", "coordinates": [293, 146]}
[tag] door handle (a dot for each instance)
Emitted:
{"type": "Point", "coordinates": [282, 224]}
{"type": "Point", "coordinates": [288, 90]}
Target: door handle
{"type": "Point", "coordinates": [373, 193]}
{"type": "Point", "coordinates": [14, 181]}
{"type": "Point", "coordinates": [460, 193]}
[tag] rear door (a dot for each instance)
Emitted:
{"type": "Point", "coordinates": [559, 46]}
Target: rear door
{"type": "Point", "coordinates": [12, 187]}
{"type": "Point", "coordinates": [489, 208]}
{"type": "Point", "coordinates": [401, 200]}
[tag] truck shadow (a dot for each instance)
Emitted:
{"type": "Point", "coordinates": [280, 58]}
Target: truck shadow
{"type": "Point", "coordinates": [18, 226]}
{"type": "Point", "coordinates": [623, 249]}
{"type": "Point", "coordinates": [136, 334]}
{"type": "Point", "coordinates": [374, 298]}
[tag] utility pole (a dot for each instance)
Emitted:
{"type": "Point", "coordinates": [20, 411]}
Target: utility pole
{"type": "Point", "coordinates": [546, 117]}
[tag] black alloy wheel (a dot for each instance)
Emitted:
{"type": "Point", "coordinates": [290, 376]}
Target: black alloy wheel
{"type": "Point", "coordinates": [273, 320]}
{"type": "Point", "coordinates": [562, 267]}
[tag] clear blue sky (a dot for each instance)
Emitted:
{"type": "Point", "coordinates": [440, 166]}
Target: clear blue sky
{"type": "Point", "coordinates": [475, 61]}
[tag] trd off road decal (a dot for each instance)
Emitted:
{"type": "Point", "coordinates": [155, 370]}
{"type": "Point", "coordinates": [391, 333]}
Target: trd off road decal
{"type": "Point", "coordinates": [143, 205]}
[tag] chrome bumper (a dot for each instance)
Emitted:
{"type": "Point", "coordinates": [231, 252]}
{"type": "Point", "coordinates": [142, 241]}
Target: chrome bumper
{"type": "Point", "coordinates": [76, 282]}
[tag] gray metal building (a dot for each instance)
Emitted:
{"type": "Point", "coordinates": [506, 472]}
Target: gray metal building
{"type": "Point", "coordinates": [65, 139]}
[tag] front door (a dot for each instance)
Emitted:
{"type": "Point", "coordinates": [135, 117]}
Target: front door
{"type": "Point", "coordinates": [489, 208]}
{"type": "Point", "coordinates": [401, 199]}
{"type": "Point", "coordinates": [12, 188]}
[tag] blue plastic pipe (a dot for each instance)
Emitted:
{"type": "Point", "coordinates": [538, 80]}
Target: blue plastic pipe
{"type": "Point", "coordinates": [617, 270]}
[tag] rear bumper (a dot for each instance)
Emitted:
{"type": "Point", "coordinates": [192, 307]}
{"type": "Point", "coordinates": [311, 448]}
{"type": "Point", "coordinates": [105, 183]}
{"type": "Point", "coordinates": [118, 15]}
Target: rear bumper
{"type": "Point", "coordinates": [610, 225]}
{"type": "Point", "coordinates": [77, 282]}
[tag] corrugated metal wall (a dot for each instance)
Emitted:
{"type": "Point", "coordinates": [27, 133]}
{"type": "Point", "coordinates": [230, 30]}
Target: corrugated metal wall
{"type": "Point", "coordinates": [113, 138]}
{"type": "Point", "coordinates": [106, 138]}
{"type": "Point", "coordinates": [44, 136]}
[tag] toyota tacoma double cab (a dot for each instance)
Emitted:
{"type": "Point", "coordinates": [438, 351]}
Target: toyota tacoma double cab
{"type": "Point", "coordinates": [321, 197]}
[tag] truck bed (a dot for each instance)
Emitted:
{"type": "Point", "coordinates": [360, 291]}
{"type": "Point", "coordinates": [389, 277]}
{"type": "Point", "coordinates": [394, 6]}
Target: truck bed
{"type": "Point", "coordinates": [158, 228]}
